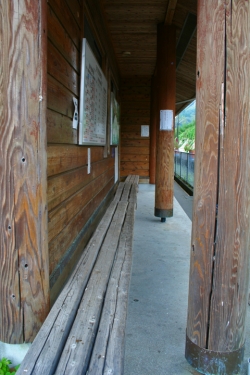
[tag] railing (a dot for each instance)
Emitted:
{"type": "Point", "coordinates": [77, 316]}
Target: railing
{"type": "Point", "coordinates": [184, 167]}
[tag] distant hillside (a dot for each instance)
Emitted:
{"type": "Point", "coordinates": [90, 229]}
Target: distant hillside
{"type": "Point", "coordinates": [187, 116]}
{"type": "Point", "coordinates": [185, 128]}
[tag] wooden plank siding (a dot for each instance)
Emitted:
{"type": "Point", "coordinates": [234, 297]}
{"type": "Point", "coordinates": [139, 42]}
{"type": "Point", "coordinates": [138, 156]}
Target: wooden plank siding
{"type": "Point", "coordinates": [135, 111]}
{"type": "Point", "coordinates": [76, 199]}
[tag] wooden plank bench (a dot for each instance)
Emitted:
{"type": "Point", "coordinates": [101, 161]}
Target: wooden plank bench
{"type": "Point", "coordinates": [85, 330]}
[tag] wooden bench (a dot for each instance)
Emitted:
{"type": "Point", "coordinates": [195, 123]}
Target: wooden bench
{"type": "Point", "coordinates": [84, 332]}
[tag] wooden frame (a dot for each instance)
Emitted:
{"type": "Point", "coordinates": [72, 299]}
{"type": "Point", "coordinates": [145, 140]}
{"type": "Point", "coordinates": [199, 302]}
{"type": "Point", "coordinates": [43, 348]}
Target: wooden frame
{"type": "Point", "coordinates": [93, 100]}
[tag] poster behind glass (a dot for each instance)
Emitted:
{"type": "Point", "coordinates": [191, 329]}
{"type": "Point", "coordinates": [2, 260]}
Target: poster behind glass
{"type": "Point", "coordinates": [93, 100]}
{"type": "Point", "coordinates": [115, 121]}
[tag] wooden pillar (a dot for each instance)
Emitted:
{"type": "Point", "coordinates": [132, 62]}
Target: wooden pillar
{"type": "Point", "coordinates": [24, 281]}
{"type": "Point", "coordinates": [218, 289]}
{"type": "Point", "coordinates": [166, 61]}
{"type": "Point", "coordinates": [153, 130]}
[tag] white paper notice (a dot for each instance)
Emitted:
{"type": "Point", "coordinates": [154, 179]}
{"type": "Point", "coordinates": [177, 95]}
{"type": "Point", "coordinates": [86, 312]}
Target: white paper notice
{"type": "Point", "coordinates": [166, 119]}
{"type": "Point", "coordinates": [144, 130]}
{"type": "Point", "coordinates": [116, 164]}
{"type": "Point", "coordinates": [89, 161]}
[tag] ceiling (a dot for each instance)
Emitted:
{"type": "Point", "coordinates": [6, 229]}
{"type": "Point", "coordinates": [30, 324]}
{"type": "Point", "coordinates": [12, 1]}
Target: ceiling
{"type": "Point", "coordinates": [132, 26]}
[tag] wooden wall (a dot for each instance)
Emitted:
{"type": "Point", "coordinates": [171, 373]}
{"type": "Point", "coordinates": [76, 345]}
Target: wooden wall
{"type": "Point", "coordinates": [76, 200]}
{"type": "Point", "coordinates": [135, 111]}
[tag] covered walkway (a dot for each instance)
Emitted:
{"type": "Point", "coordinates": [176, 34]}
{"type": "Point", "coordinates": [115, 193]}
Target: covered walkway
{"type": "Point", "coordinates": [156, 325]}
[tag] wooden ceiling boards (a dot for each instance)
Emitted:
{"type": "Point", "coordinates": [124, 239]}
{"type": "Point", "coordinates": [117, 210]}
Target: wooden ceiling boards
{"type": "Point", "coordinates": [132, 25]}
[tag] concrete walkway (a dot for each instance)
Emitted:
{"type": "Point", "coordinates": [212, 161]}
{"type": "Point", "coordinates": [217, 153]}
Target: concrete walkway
{"type": "Point", "coordinates": [157, 311]}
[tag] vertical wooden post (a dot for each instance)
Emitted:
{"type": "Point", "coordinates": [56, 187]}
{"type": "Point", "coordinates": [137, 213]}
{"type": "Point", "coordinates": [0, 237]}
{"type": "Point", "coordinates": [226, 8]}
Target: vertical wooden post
{"type": "Point", "coordinates": [166, 61]}
{"type": "Point", "coordinates": [24, 282]}
{"type": "Point", "coordinates": [153, 130]}
{"type": "Point", "coordinates": [218, 289]}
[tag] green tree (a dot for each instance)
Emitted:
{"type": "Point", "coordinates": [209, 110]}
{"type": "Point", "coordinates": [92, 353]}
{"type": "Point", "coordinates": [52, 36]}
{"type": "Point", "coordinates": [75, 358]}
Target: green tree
{"type": "Point", "coordinates": [186, 135]}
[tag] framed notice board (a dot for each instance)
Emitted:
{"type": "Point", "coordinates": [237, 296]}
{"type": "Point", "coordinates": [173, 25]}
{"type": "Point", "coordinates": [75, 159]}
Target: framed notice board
{"type": "Point", "coordinates": [93, 100]}
{"type": "Point", "coordinates": [115, 121]}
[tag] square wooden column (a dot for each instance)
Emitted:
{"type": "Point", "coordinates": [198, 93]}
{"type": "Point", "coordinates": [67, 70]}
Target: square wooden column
{"type": "Point", "coordinates": [218, 287]}
{"type": "Point", "coordinates": [166, 82]}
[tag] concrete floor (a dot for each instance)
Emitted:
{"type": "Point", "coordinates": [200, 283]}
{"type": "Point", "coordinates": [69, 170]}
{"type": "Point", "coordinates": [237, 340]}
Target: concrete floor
{"type": "Point", "coordinates": [157, 310]}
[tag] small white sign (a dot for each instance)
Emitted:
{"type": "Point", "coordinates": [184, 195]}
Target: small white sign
{"type": "Point", "coordinates": [75, 116]}
{"type": "Point", "coordinates": [89, 161]}
{"type": "Point", "coordinates": [144, 130]}
{"type": "Point", "coordinates": [116, 164]}
{"type": "Point", "coordinates": [166, 119]}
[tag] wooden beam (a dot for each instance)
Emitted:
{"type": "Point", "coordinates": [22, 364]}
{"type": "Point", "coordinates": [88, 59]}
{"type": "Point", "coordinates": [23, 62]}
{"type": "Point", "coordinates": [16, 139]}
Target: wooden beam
{"type": "Point", "coordinates": [24, 282]}
{"type": "Point", "coordinates": [218, 289]}
{"type": "Point", "coordinates": [165, 137]}
{"type": "Point", "coordinates": [170, 12]}
{"type": "Point", "coordinates": [96, 17]}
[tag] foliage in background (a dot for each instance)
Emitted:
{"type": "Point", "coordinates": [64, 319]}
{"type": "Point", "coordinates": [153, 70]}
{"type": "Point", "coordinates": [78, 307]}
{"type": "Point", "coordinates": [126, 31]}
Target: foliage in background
{"type": "Point", "coordinates": [186, 136]}
{"type": "Point", "coordinates": [5, 369]}
{"type": "Point", "coordinates": [185, 128]}
{"type": "Point", "coordinates": [188, 114]}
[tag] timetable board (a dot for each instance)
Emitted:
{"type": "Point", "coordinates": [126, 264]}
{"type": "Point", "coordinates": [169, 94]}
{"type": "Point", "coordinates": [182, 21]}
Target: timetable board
{"type": "Point", "coordinates": [114, 120]}
{"type": "Point", "coordinates": [93, 100]}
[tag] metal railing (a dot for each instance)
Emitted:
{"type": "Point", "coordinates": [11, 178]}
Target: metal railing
{"type": "Point", "coordinates": [184, 167]}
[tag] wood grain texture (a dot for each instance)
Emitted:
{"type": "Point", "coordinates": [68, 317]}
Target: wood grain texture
{"type": "Point", "coordinates": [135, 112]}
{"type": "Point", "coordinates": [62, 186]}
{"type": "Point", "coordinates": [164, 173]}
{"type": "Point", "coordinates": [97, 20]}
{"type": "Point", "coordinates": [68, 13]}
{"type": "Point", "coordinates": [60, 274]}
{"type": "Point", "coordinates": [130, 129]}
{"type": "Point", "coordinates": [73, 195]}
{"type": "Point", "coordinates": [108, 351]}
{"type": "Point", "coordinates": [59, 129]}
{"type": "Point", "coordinates": [87, 320]}
{"type": "Point", "coordinates": [134, 151]}
{"type": "Point", "coordinates": [116, 347]}
{"type": "Point", "coordinates": [138, 22]}
{"type": "Point", "coordinates": [141, 142]}
{"type": "Point", "coordinates": [153, 130]}
{"type": "Point", "coordinates": [61, 70]}
{"type": "Point", "coordinates": [209, 84]}
{"type": "Point", "coordinates": [135, 158]}
{"type": "Point", "coordinates": [134, 166]}
{"type": "Point", "coordinates": [61, 215]}
{"type": "Point", "coordinates": [45, 352]}
{"type": "Point", "coordinates": [24, 286]}
{"type": "Point", "coordinates": [75, 8]}
{"type": "Point", "coordinates": [60, 244]}
{"type": "Point", "coordinates": [81, 299]}
{"type": "Point", "coordinates": [60, 98]}
{"type": "Point", "coordinates": [132, 134]}
{"type": "Point", "coordinates": [63, 158]}
{"type": "Point", "coordinates": [218, 288]}
{"type": "Point", "coordinates": [133, 28]}
{"type": "Point", "coordinates": [230, 288]}
{"type": "Point", "coordinates": [62, 40]}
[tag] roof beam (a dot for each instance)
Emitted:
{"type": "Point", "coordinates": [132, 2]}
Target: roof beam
{"type": "Point", "coordinates": [170, 12]}
{"type": "Point", "coordinates": [186, 36]}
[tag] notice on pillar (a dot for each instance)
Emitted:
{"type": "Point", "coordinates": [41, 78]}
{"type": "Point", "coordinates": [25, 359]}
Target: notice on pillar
{"type": "Point", "coordinates": [166, 119]}
{"type": "Point", "coordinates": [144, 130]}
